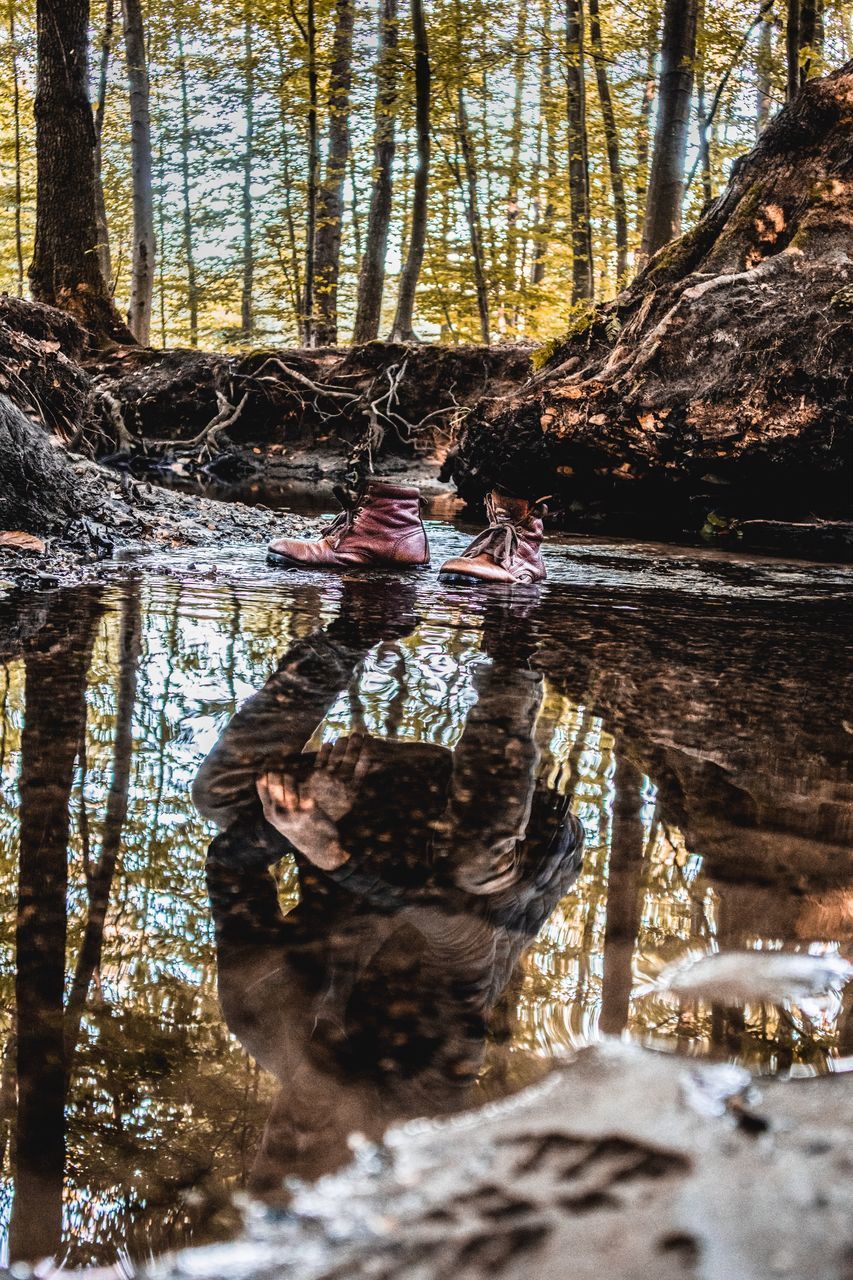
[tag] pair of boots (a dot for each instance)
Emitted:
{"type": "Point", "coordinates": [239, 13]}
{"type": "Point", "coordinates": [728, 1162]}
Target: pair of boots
{"type": "Point", "coordinates": [383, 528]}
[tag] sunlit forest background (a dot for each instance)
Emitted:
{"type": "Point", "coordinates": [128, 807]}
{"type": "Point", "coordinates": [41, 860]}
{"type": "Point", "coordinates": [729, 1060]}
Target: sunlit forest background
{"type": "Point", "coordinates": [240, 107]}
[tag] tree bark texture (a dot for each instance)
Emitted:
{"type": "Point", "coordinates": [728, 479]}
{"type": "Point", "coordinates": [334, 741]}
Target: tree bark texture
{"type": "Point", "coordinates": [309, 35]}
{"type": "Point", "coordinates": [611, 133]}
{"type": "Point", "coordinates": [104, 257]}
{"type": "Point", "coordinates": [247, 314]}
{"type": "Point", "coordinates": [142, 262]}
{"type": "Point", "coordinates": [764, 69]}
{"type": "Point", "coordinates": [65, 271]}
{"type": "Point", "coordinates": [372, 279]}
{"type": "Point", "coordinates": [582, 265]}
{"type": "Point", "coordinates": [330, 204]}
{"type": "Point", "coordinates": [186, 200]}
{"type": "Point", "coordinates": [792, 47]}
{"type": "Point", "coordinates": [548, 182]}
{"type": "Point", "coordinates": [666, 181]}
{"type": "Point", "coordinates": [719, 379]}
{"type": "Point", "coordinates": [56, 670]}
{"type": "Point", "coordinates": [16, 125]}
{"type": "Point", "coordinates": [403, 321]}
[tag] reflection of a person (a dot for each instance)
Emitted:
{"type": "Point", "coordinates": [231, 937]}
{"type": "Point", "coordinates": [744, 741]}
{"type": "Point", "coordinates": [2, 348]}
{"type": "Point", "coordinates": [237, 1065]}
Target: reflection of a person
{"type": "Point", "coordinates": [422, 875]}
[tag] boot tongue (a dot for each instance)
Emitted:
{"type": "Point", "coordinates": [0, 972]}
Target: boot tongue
{"type": "Point", "coordinates": [503, 507]}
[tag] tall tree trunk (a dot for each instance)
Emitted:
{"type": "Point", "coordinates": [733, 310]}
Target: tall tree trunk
{"type": "Point", "coordinates": [514, 176]}
{"type": "Point", "coordinates": [186, 204]}
{"type": "Point", "coordinates": [764, 72]}
{"type": "Point", "coordinates": [142, 265]}
{"type": "Point", "coordinates": [56, 669]}
{"type": "Point", "coordinates": [16, 124]}
{"type": "Point", "coordinates": [666, 183]}
{"type": "Point", "coordinates": [309, 35]}
{"type": "Point", "coordinates": [811, 38]}
{"type": "Point", "coordinates": [702, 118]}
{"type": "Point", "coordinates": [545, 207]}
{"type": "Point", "coordinates": [161, 232]}
{"type": "Point", "coordinates": [792, 48]}
{"type": "Point", "coordinates": [100, 110]}
{"type": "Point", "coordinates": [472, 215]}
{"type": "Point", "coordinates": [330, 210]}
{"type": "Point", "coordinates": [293, 274]}
{"type": "Point", "coordinates": [649, 93]}
{"type": "Point", "coordinates": [65, 271]}
{"type": "Point", "coordinates": [247, 317]}
{"type": "Point", "coordinates": [611, 136]}
{"type": "Point", "coordinates": [403, 321]}
{"type": "Point", "coordinates": [372, 279]}
{"type": "Point", "coordinates": [582, 266]}
{"type": "Point", "coordinates": [101, 879]}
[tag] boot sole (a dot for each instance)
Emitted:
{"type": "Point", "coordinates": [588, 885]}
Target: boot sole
{"type": "Point", "coordinates": [472, 580]}
{"type": "Point", "coordinates": [285, 562]}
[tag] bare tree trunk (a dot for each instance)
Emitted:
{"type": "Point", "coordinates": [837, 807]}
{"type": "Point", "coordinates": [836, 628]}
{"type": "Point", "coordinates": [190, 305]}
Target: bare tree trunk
{"type": "Point", "coordinates": [247, 317]}
{"type": "Point", "coordinates": [514, 177]}
{"type": "Point", "coordinates": [473, 217]}
{"type": "Point", "coordinates": [65, 271]}
{"type": "Point", "coordinates": [611, 135]}
{"type": "Point", "coordinates": [55, 724]}
{"type": "Point", "coordinates": [16, 121]}
{"type": "Point", "coordinates": [100, 110]}
{"type": "Point", "coordinates": [764, 70]}
{"type": "Point", "coordinates": [186, 140]}
{"type": "Point", "coordinates": [142, 265]}
{"type": "Point", "coordinates": [649, 93]}
{"type": "Point", "coordinates": [582, 265]}
{"type": "Point", "coordinates": [792, 48]}
{"type": "Point", "coordinates": [372, 278]}
{"type": "Point", "coordinates": [403, 330]}
{"type": "Point", "coordinates": [101, 879]}
{"type": "Point", "coordinates": [811, 38]}
{"type": "Point", "coordinates": [545, 209]}
{"type": "Point", "coordinates": [161, 231]}
{"type": "Point", "coordinates": [666, 183]}
{"type": "Point", "coordinates": [330, 212]}
{"type": "Point", "coordinates": [702, 119]}
{"type": "Point", "coordinates": [309, 35]}
{"type": "Point", "coordinates": [295, 282]}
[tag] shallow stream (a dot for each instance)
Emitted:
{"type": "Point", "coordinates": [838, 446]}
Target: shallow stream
{"type": "Point", "coordinates": [432, 933]}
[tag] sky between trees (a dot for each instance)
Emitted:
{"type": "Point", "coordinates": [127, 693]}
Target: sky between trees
{"type": "Point", "coordinates": [523, 99]}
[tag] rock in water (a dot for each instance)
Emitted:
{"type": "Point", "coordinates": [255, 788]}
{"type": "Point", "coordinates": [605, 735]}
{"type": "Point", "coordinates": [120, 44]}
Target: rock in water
{"type": "Point", "coordinates": [741, 977]}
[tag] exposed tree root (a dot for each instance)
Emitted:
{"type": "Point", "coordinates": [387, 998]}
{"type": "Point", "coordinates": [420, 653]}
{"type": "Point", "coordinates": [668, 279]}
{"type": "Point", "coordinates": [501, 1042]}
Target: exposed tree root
{"type": "Point", "coordinates": [720, 380]}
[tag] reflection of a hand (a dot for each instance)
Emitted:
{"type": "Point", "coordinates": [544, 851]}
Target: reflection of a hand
{"type": "Point", "coordinates": [307, 810]}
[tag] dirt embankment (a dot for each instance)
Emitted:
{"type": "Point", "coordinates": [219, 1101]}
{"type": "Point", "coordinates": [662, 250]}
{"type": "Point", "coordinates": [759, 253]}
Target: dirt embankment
{"type": "Point", "coordinates": [717, 388]}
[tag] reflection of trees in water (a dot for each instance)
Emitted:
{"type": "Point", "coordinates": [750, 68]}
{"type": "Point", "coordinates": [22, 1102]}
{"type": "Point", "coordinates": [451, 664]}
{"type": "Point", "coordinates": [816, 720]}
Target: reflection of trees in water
{"type": "Point", "coordinates": [159, 1096]}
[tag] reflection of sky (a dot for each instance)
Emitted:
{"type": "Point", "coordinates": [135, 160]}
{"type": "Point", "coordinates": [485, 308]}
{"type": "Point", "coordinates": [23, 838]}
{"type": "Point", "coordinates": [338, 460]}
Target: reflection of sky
{"type": "Point", "coordinates": [159, 1087]}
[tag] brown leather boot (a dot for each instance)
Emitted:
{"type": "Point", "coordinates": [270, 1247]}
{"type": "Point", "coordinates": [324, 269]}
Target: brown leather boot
{"type": "Point", "coordinates": [382, 526]}
{"type": "Point", "coordinates": [508, 550]}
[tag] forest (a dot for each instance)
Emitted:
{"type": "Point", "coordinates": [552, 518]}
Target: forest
{"type": "Point", "coordinates": [278, 173]}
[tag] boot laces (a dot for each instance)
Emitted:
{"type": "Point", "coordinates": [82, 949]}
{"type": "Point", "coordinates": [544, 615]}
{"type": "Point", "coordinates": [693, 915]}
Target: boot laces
{"type": "Point", "coordinates": [345, 519]}
{"type": "Point", "coordinates": [501, 537]}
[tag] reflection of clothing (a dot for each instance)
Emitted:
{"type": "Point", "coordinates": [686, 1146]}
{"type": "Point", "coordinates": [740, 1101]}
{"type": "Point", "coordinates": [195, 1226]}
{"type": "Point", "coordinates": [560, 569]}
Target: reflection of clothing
{"type": "Point", "coordinates": [381, 980]}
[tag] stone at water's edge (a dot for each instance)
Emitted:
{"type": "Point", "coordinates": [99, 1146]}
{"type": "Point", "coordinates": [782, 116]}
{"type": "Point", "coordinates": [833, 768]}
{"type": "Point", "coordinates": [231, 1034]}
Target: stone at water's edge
{"type": "Point", "coordinates": [608, 1169]}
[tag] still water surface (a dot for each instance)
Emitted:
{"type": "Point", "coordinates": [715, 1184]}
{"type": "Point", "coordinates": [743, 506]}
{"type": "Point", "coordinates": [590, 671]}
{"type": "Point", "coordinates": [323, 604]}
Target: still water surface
{"type": "Point", "coordinates": [491, 820]}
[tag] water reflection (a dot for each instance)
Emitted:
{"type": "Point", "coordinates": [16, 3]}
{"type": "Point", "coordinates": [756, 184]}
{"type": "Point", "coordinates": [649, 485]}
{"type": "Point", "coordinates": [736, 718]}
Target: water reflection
{"type": "Point", "coordinates": [702, 743]}
{"type": "Point", "coordinates": [422, 874]}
